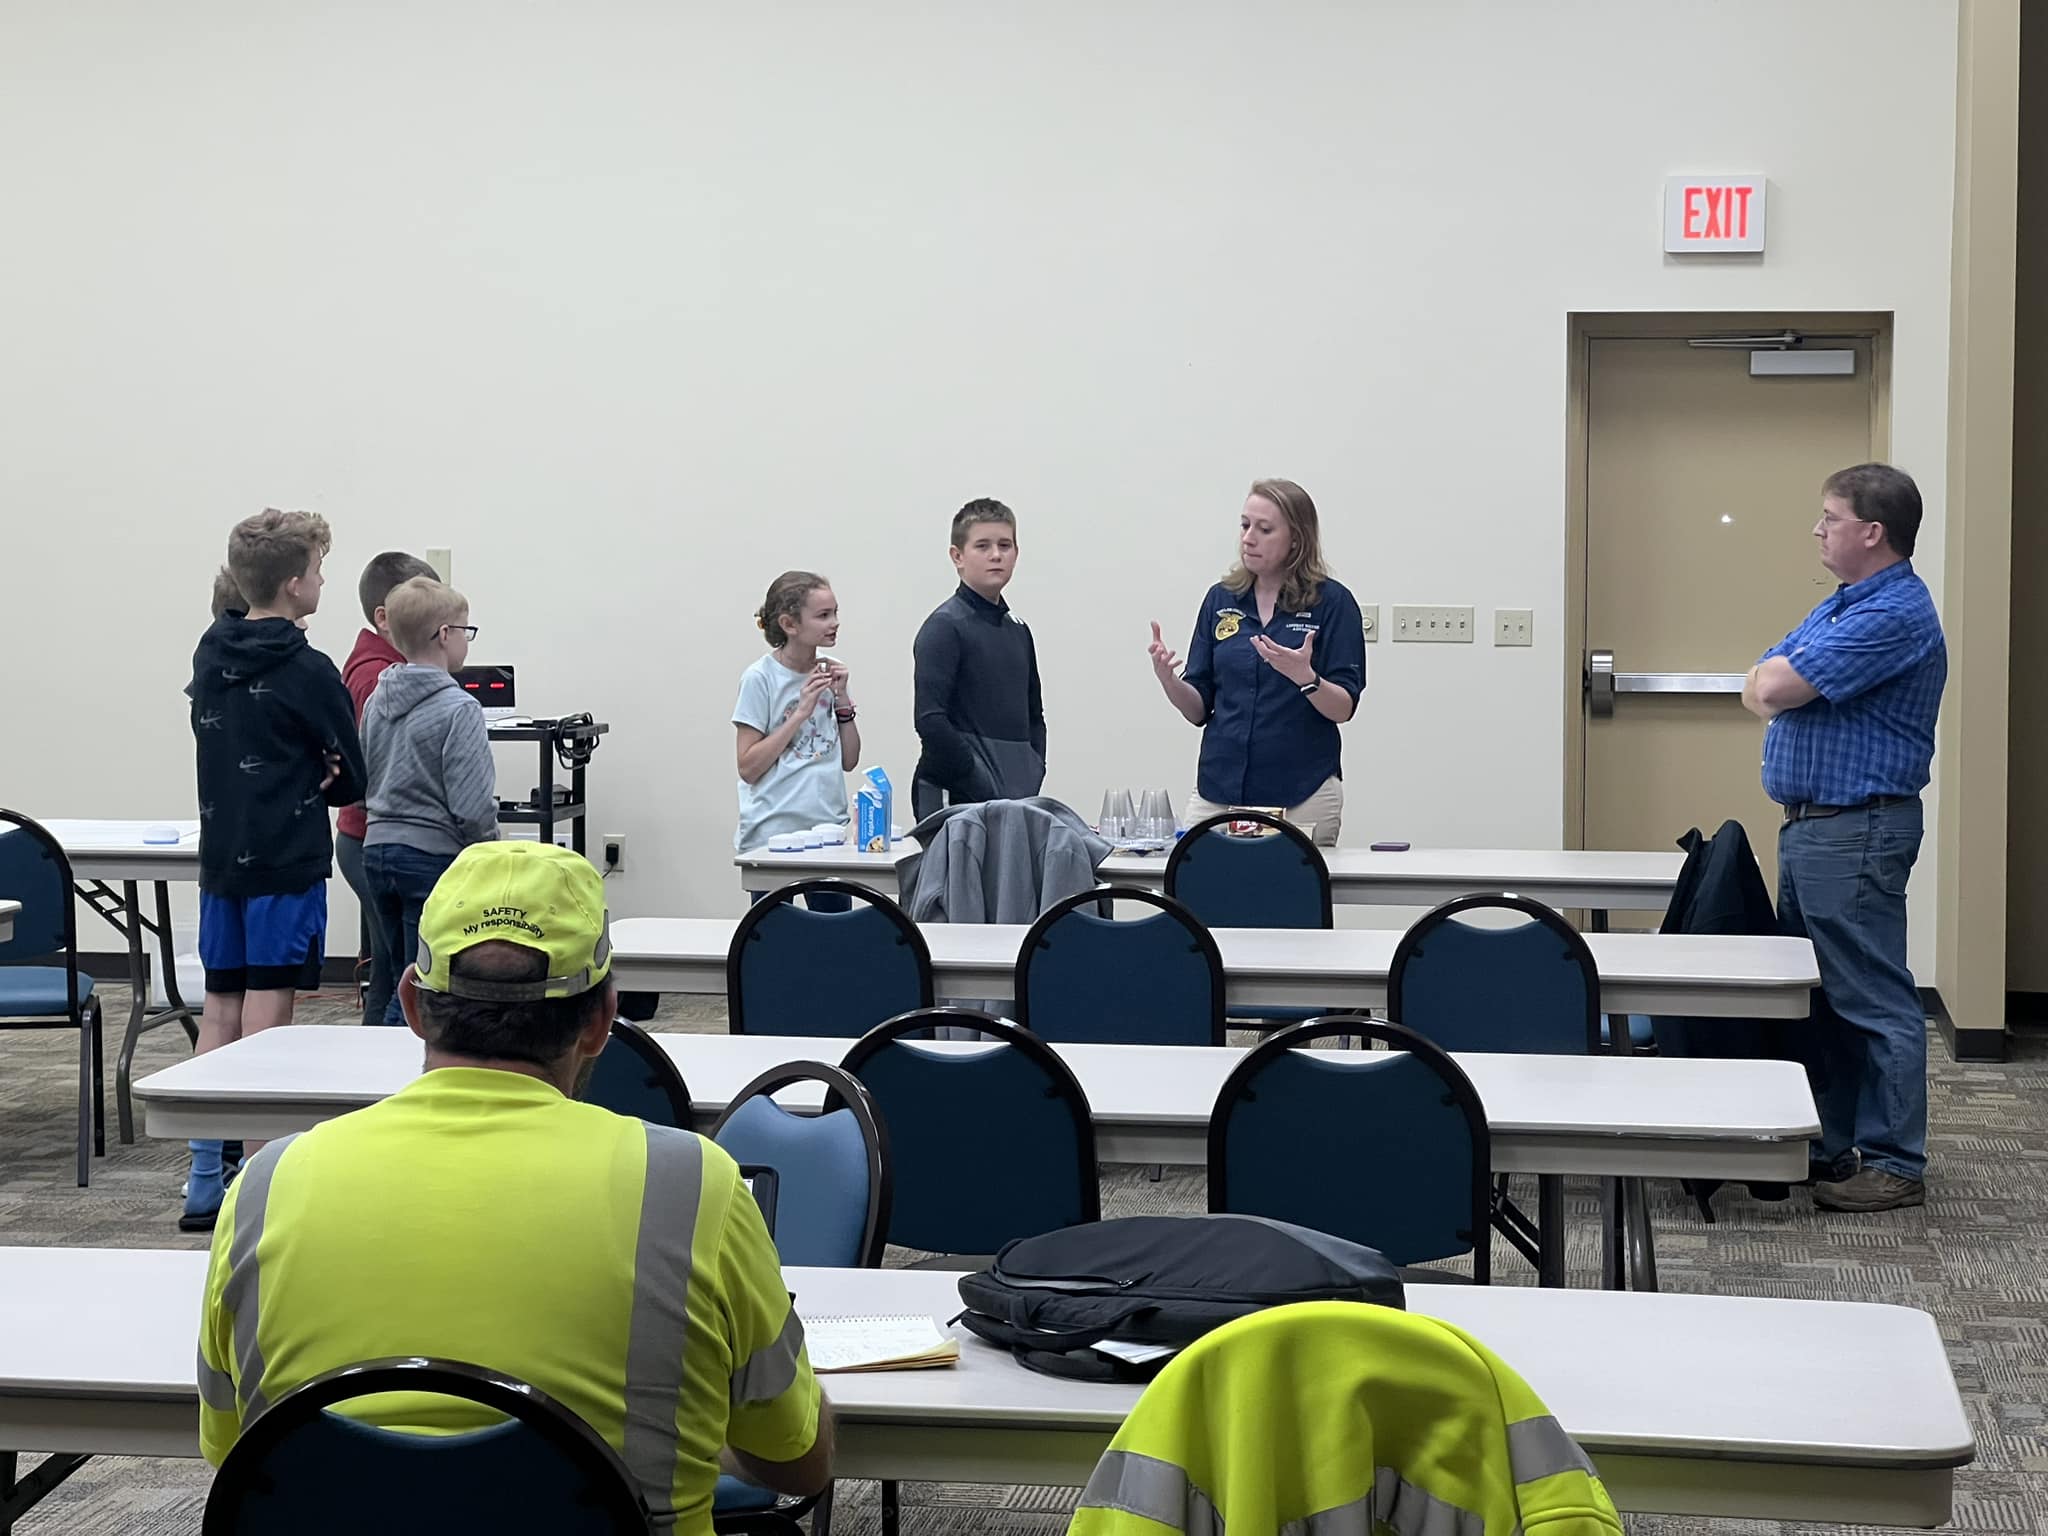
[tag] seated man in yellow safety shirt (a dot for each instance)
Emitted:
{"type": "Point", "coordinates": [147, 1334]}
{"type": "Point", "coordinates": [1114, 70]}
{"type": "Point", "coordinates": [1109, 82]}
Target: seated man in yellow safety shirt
{"type": "Point", "coordinates": [482, 1214]}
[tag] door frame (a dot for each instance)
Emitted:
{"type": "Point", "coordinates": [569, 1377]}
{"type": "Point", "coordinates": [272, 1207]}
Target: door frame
{"type": "Point", "coordinates": [1582, 330]}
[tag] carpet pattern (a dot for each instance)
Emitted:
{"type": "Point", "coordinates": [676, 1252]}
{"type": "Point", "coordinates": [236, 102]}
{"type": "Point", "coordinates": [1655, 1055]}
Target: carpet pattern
{"type": "Point", "coordinates": [1976, 1257]}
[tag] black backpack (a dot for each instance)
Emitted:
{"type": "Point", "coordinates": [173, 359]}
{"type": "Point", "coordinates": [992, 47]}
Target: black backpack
{"type": "Point", "coordinates": [1051, 1299]}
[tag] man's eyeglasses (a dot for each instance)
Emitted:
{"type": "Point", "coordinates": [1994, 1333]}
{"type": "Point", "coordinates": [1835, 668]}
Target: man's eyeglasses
{"type": "Point", "coordinates": [1830, 520]}
{"type": "Point", "coordinates": [467, 631]}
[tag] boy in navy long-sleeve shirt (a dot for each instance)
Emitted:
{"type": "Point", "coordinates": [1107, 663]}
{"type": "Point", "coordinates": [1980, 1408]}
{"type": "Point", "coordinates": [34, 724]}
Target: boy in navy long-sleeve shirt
{"type": "Point", "coordinates": [979, 709]}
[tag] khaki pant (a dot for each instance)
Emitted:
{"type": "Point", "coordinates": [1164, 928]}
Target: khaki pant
{"type": "Point", "coordinates": [1324, 808]}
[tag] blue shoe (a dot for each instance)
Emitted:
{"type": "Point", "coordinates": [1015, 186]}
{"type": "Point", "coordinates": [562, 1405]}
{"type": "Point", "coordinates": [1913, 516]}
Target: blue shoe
{"type": "Point", "coordinates": [204, 1190]}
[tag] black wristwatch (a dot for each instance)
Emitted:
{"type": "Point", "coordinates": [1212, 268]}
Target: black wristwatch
{"type": "Point", "coordinates": [1311, 685]}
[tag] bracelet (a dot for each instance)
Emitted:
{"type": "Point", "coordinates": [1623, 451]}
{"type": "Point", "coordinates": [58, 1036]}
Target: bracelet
{"type": "Point", "coordinates": [1311, 685]}
{"type": "Point", "coordinates": [844, 715]}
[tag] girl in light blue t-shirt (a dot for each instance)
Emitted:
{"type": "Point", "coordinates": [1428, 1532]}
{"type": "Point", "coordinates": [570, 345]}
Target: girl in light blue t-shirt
{"type": "Point", "coordinates": [794, 717]}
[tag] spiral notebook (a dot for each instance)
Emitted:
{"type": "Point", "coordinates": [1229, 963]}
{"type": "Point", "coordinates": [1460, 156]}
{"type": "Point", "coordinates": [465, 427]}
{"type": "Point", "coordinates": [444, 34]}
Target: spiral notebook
{"type": "Point", "coordinates": [905, 1342]}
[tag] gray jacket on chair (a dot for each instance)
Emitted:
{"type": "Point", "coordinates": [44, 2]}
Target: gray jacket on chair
{"type": "Point", "coordinates": [1002, 861]}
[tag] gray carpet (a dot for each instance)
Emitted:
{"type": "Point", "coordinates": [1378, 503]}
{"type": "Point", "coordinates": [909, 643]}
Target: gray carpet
{"type": "Point", "coordinates": [1976, 1257]}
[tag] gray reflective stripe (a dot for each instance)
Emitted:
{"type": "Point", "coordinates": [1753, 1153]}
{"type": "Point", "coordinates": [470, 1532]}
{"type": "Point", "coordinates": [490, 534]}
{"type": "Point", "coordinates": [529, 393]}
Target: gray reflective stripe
{"type": "Point", "coordinates": [659, 1330]}
{"type": "Point", "coordinates": [771, 1370]}
{"type": "Point", "coordinates": [1159, 1491]}
{"type": "Point", "coordinates": [240, 1295]}
{"type": "Point", "coordinates": [1540, 1448]}
{"type": "Point", "coordinates": [1156, 1490]}
{"type": "Point", "coordinates": [216, 1388]}
{"type": "Point", "coordinates": [1412, 1511]}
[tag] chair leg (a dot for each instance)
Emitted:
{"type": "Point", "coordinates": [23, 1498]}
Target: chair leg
{"type": "Point", "coordinates": [892, 1514]}
{"type": "Point", "coordinates": [1156, 1174]}
{"type": "Point", "coordinates": [99, 1081]}
{"type": "Point", "coordinates": [85, 1096]}
{"type": "Point", "coordinates": [821, 1513]}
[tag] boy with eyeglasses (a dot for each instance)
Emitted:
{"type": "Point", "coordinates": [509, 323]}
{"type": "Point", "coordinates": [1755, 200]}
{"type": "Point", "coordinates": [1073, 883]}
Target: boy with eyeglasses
{"type": "Point", "coordinates": [433, 787]}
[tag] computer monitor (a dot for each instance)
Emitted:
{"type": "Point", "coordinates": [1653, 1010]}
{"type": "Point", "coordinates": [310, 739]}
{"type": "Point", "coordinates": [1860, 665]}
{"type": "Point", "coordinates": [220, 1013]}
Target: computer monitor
{"type": "Point", "coordinates": [492, 687]}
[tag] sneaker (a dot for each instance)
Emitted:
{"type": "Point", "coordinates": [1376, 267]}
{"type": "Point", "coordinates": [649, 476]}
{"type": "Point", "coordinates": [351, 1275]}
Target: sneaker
{"type": "Point", "coordinates": [1870, 1189]}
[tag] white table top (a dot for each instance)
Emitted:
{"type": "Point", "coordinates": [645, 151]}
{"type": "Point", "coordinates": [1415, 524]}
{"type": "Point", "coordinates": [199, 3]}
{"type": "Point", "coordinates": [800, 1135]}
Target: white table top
{"type": "Point", "coordinates": [1689, 1404]}
{"type": "Point", "coordinates": [128, 850]}
{"type": "Point", "coordinates": [1420, 877]}
{"type": "Point", "coordinates": [9, 911]}
{"type": "Point", "coordinates": [1652, 973]}
{"type": "Point", "coordinates": [1615, 1115]}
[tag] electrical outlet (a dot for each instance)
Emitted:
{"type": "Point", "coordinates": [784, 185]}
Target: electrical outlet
{"type": "Point", "coordinates": [1512, 626]}
{"type": "Point", "coordinates": [1434, 624]}
{"type": "Point", "coordinates": [1370, 614]}
{"type": "Point", "coordinates": [614, 852]}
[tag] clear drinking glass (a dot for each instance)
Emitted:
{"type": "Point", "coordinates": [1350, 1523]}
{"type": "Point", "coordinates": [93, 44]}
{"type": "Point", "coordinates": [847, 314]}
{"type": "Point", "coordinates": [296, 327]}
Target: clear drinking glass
{"type": "Point", "coordinates": [1107, 823]}
{"type": "Point", "coordinates": [1153, 816]}
{"type": "Point", "coordinates": [1122, 814]}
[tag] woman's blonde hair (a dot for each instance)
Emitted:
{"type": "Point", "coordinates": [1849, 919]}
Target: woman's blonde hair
{"type": "Point", "coordinates": [786, 596]}
{"type": "Point", "coordinates": [1301, 584]}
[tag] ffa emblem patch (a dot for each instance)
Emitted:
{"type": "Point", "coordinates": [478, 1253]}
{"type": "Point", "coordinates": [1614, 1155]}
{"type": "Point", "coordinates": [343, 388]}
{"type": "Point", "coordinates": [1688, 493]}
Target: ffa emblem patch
{"type": "Point", "coordinates": [1227, 621]}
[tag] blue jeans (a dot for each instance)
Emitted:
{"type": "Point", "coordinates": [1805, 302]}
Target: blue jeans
{"type": "Point", "coordinates": [348, 853]}
{"type": "Point", "coordinates": [400, 880]}
{"type": "Point", "coordinates": [1842, 884]}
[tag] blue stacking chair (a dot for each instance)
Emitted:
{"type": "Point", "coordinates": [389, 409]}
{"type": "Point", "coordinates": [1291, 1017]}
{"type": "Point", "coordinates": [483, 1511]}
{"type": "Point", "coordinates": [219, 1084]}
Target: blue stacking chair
{"type": "Point", "coordinates": [1530, 988]}
{"type": "Point", "coordinates": [1276, 879]}
{"type": "Point", "coordinates": [1386, 1148]}
{"type": "Point", "coordinates": [832, 1169]}
{"type": "Point", "coordinates": [831, 1211]}
{"type": "Point", "coordinates": [792, 971]}
{"type": "Point", "coordinates": [1085, 978]}
{"type": "Point", "coordinates": [303, 1470]}
{"type": "Point", "coordinates": [985, 1144]}
{"type": "Point", "coordinates": [41, 986]}
{"type": "Point", "coordinates": [635, 1077]}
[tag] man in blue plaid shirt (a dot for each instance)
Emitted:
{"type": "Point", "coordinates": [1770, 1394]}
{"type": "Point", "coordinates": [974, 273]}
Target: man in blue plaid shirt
{"type": "Point", "coordinates": [1850, 697]}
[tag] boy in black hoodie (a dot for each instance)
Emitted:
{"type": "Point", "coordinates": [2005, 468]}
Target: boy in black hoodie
{"type": "Point", "coordinates": [277, 746]}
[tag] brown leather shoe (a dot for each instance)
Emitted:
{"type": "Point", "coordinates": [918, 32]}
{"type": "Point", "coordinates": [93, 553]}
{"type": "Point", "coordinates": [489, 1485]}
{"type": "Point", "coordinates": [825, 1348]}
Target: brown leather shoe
{"type": "Point", "coordinates": [1870, 1189]}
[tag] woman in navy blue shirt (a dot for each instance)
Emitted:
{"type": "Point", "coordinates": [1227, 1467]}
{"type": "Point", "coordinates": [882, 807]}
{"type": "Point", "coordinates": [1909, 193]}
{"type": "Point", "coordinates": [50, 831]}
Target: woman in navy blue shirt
{"type": "Point", "coordinates": [1276, 665]}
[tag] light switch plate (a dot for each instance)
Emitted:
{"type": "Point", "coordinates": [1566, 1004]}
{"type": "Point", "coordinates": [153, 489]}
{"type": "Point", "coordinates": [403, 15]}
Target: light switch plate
{"type": "Point", "coordinates": [443, 561]}
{"type": "Point", "coordinates": [1512, 626]}
{"type": "Point", "coordinates": [1370, 613]}
{"type": "Point", "coordinates": [1453, 625]}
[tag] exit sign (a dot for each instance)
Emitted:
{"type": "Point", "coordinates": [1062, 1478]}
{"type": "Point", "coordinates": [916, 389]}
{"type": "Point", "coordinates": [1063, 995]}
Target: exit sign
{"type": "Point", "coordinates": [1713, 213]}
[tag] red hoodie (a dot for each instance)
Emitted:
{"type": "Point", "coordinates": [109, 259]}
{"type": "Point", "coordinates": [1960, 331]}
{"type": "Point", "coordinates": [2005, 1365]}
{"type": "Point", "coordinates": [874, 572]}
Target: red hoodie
{"type": "Point", "coordinates": [366, 663]}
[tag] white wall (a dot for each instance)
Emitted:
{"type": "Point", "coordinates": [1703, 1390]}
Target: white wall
{"type": "Point", "coordinates": [636, 304]}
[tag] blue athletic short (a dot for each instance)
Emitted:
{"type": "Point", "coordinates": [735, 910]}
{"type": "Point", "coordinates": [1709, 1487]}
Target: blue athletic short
{"type": "Point", "coordinates": [263, 943]}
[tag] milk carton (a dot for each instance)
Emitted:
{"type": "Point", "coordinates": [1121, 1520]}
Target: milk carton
{"type": "Point", "coordinates": [874, 803]}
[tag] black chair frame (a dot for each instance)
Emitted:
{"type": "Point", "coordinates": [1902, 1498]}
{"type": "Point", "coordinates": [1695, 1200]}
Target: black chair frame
{"type": "Point", "coordinates": [1458, 1090]}
{"type": "Point", "coordinates": [906, 934]}
{"type": "Point", "coordinates": [668, 1077]}
{"type": "Point", "coordinates": [1218, 826]}
{"type": "Point", "coordinates": [843, 1090]}
{"type": "Point", "coordinates": [1038, 939]}
{"type": "Point", "coordinates": [562, 1430]}
{"type": "Point", "coordinates": [82, 1015]}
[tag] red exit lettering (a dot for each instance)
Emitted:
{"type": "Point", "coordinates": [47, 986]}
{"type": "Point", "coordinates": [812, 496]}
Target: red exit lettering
{"type": "Point", "coordinates": [1717, 213]}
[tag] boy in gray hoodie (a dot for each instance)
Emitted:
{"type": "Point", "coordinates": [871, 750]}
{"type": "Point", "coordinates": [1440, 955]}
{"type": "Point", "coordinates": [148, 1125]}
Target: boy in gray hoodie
{"type": "Point", "coordinates": [433, 787]}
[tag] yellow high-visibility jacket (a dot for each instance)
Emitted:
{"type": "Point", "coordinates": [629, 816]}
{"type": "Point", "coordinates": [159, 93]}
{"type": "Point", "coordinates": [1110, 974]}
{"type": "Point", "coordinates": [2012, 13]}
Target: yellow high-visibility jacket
{"type": "Point", "coordinates": [1335, 1418]}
